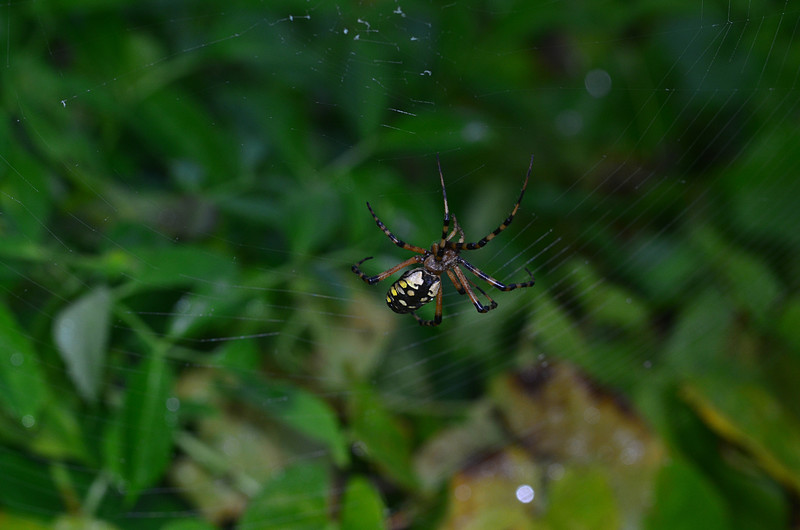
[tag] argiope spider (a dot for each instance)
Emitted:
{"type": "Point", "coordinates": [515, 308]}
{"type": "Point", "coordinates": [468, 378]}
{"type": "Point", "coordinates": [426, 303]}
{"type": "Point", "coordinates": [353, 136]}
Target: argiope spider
{"type": "Point", "coordinates": [418, 286]}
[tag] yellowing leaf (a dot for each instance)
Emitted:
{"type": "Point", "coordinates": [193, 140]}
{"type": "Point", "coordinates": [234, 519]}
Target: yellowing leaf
{"type": "Point", "coordinates": [746, 414]}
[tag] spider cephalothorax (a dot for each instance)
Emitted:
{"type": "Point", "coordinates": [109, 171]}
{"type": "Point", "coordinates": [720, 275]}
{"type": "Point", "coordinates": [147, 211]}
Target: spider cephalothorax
{"type": "Point", "coordinates": [418, 286]}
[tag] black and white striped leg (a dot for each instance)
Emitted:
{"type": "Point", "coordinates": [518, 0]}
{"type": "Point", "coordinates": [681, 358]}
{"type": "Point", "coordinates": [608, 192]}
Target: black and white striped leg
{"type": "Point", "coordinates": [446, 221]}
{"type": "Point", "coordinates": [503, 225]}
{"type": "Point", "coordinates": [399, 242]}
{"type": "Point", "coordinates": [496, 283]}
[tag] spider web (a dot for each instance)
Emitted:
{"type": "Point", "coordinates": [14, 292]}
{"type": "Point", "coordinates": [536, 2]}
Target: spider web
{"type": "Point", "coordinates": [183, 194]}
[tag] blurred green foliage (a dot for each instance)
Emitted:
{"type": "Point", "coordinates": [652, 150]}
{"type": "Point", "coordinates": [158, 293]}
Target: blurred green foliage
{"type": "Point", "coordinates": [183, 345]}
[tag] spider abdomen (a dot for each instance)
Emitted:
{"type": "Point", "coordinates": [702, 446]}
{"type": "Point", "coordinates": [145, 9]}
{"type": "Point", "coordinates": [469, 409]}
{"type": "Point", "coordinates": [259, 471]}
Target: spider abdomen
{"type": "Point", "coordinates": [414, 289]}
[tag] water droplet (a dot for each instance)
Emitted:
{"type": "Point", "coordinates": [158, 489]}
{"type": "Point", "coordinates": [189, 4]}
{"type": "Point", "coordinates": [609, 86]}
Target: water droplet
{"type": "Point", "coordinates": [173, 404]}
{"type": "Point", "coordinates": [598, 83]}
{"type": "Point", "coordinates": [475, 131]}
{"type": "Point", "coordinates": [525, 493]}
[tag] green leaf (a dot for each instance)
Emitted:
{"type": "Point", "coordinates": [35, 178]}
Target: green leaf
{"type": "Point", "coordinates": [750, 281]}
{"type": "Point", "coordinates": [81, 522]}
{"type": "Point", "coordinates": [27, 485]}
{"type": "Point", "coordinates": [172, 123]}
{"type": "Point", "coordinates": [81, 334]}
{"type": "Point", "coordinates": [197, 312]}
{"type": "Point", "coordinates": [22, 202]}
{"type": "Point", "coordinates": [22, 385]}
{"type": "Point", "coordinates": [788, 324]}
{"type": "Point", "coordinates": [664, 268]}
{"type": "Point", "coordinates": [583, 499]}
{"type": "Point", "coordinates": [299, 409]}
{"type": "Point", "coordinates": [296, 498]}
{"type": "Point", "coordinates": [306, 235]}
{"type": "Point", "coordinates": [607, 303]}
{"type": "Point", "coordinates": [381, 439]}
{"type": "Point", "coordinates": [362, 507]}
{"type": "Point", "coordinates": [426, 128]}
{"type": "Point", "coordinates": [697, 344]}
{"type": "Point", "coordinates": [685, 499]}
{"type": "Point", "coordinates": [180, 265]}
{"type": "Point", "coordinates": [60, 434]}
{"type": "Point", "coordinates": [763, 187]}
{"type": "Point", "coordinates": [188, 524]}
{"type": "Point", "coordinates": [556, 333]}
{"type": "Point", "coordinates": [239, 356]}
{"type": "Point", "coordinates": [139, 444]}
{"type": "Point", "coordinates": [364, 101]}
{"type": "Point", "coordinates": [21, 522]}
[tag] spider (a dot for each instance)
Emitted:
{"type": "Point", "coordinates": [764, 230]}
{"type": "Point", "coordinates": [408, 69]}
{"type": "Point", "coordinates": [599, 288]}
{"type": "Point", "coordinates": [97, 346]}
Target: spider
{"type": "Point", "coordinates": [418, 286]}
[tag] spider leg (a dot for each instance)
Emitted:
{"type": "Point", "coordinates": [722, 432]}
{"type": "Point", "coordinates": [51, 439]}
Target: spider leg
{"type": "Point", "coordinates": [456, 230]}
{"type": "Point", "coordinates": [461, 290]}
{"type": "Point", "coordinates": [493, 282]}
{"type": "Point", "coordinates": [446, 222]}
{"type": "Point", "coordinates": [456, 282]}
{"type": "Point", "coordinates": [385, 274]}
{"type": "Point", "coordinates": [484, 293]}
{"type": "Point", "coordinates": [437, 316]}
{"type": "Point", "coordinates": [400, 243]}
{"type": "Point", "coordinates": [472, 246]}
{"type": "Point", "coordinates": [466, 288]}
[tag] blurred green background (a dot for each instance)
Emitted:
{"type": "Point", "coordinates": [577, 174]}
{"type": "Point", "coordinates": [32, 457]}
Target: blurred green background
{"type": "Point", "coordinates": [182, 194]}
